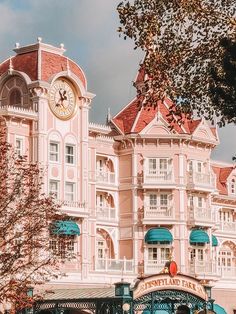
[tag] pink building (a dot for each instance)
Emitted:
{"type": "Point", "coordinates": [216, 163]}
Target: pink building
{"type": "Point", "coordinates": [139, 191]}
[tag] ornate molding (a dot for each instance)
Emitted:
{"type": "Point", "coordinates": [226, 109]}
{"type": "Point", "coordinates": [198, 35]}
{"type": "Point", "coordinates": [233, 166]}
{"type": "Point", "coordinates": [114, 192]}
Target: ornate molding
{"type": "Point", "coordinates": [38, 91]}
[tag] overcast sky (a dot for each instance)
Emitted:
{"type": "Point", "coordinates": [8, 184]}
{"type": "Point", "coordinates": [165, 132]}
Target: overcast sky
{"type": "Point", "coordinates": [88, 30]}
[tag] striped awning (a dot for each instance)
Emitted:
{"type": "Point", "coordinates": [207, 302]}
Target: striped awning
{"type": "Point", "coordinates": [65, 227]}
{"type": "Point", "coordinates": [198, 236]}
{"type": "Point", "coordinates": [158, 235]}
{"type": "Point", "coordinates": [219, 309]}
{"type": "Point", "coordinates": [214, 241]}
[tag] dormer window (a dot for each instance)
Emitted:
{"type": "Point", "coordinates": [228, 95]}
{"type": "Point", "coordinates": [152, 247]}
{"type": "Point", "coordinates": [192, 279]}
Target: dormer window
{"type": "Point", "coordinates": [15, 97]}
{"type": "Point", "coordinates": [232, 186]}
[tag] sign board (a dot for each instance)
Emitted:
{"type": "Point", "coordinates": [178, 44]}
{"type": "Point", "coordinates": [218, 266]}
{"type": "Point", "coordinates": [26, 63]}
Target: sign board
{"type": "Point", "coordinates": [165, 282]}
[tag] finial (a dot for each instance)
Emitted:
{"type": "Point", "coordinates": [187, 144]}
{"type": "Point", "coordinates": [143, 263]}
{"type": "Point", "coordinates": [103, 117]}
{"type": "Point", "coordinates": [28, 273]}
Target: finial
{"type": "Point", "coordinates": [17, 45]}
{"type": "Point", "coordinates": [10, 67]}
{"type": "Point", "coordinates": [62, 46]}
{"type": "Point", "coordinates": [108, 115]}
{"type": "Point", "coordinates": [39, 39]}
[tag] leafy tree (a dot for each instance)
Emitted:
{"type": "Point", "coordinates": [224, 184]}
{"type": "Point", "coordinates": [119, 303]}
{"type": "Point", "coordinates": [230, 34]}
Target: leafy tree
{"type": "Point", "coordinates": [181, 40]}
{"type": "Point", "coordinates": [25, 218]}
{"type": "Point", "coordinates": [223, 84]}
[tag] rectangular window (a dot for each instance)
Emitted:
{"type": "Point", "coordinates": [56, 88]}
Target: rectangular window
{"type": "Point", "coordinates": [165, 254]}
{"type": "Point", "coordinates": [54, 188]}
{"type": "Point", "coordinates": [164, 200]}
{"type": "Point", "coordinates": [199, 167]}
{"type": "Point", "coordinates": [152, 163]}
{"type": "Point", "coordinates": [200, 202]}
{"type": "Point", "coordinates": [163, 165]}
{"type": "Point", "coordinates": [70, 154]}
{"type": "Point", "coordinates": [63, 247]}
{"type": "Point", "coordinates": [152, 254]}
{"type": "Point", "coordinates": [19, 147]}
{"type": "Point", "coordinates": [70, 191]}
{"type": "Point", "coordinates": [153, 201]}
{"type": "Point", "coordinates": [190, 166]}
{"type": "Point", "coordinates": [53, 151]}
{"type": "Point", "coordinates": [191, 202]}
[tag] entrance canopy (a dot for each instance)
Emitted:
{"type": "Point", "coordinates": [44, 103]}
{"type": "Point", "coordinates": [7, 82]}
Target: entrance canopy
{"type": "Point", "coordinates": [219, 309]}
{"type": "Point", "coordinates": [198, 236]}
{"type": "Point", "coordinates": [65, 227]}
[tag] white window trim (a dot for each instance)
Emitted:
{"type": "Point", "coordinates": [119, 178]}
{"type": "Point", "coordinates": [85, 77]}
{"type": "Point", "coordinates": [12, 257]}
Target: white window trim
{"type": "Point", "coordinates": [58, 192]}
{"type": "Point", "coordinates": [74, 191]}
{"type": "Point", "coordinates": [58, 153]}
{"type": "Point", "coordinates": [74, 154]}
{"type": "Point", "coordinates": [22, 140]}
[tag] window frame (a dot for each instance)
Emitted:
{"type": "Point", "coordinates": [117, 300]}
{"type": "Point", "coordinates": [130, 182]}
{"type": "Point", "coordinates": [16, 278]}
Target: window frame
{"type": "Point", "coordinates": [57, 153]}
{"type": "Point", "coordinates": [67, 155]}
{"type": "Point", "coordinates": [57, 197]}
{"type": "Point", "coordinates": [21, 140]}
{"type": "Point", "coordinates": [66, 193]}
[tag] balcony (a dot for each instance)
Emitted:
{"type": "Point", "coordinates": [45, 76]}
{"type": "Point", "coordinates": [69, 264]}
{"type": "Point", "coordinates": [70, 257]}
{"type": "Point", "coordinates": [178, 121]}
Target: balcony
{"type": "Point", "coordinates": [227, 226]}
{"type": "Point", "coordinates": [158, 213]}
{"type": "Point", "coordinates": [75, 208]}
{"type": "Point", "coordinates": [203, 269]}
{"type": "Point", "coordinates": [201, 181]}
{"type": "Point", "coordinates": [106, 214]}
{"type": "Point", "coordinates": [227, 272]}
{"type": "Point", "coordinates": [114, 265]}
{"type": "Point", "coordinates": [158, 177]}
{"type": "Point", "coordinates": [200, 216]}
{"type": "Point", "coordinates": [102, 177]}
{"type": "Point", "coordinates": [18, 112]}
{"type": "Point", "coordinates": [154, 266]}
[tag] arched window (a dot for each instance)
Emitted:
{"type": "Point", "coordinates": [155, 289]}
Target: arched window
{"type": "Point", "coordinates": [15, 97]}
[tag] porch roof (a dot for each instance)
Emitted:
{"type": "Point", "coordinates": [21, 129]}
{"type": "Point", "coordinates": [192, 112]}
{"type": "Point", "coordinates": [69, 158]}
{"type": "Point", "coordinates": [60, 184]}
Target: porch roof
{"type": "Point", "coordinates": [85, 293]}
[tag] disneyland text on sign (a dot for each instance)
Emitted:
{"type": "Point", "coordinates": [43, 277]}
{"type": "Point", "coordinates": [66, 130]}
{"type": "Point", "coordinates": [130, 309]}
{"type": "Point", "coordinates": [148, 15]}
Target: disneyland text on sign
{"type": "Point", "coordinates": [165, 282]}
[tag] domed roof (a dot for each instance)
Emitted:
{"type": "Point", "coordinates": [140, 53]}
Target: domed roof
{"type": "Point", "coordinates": [41, 62]}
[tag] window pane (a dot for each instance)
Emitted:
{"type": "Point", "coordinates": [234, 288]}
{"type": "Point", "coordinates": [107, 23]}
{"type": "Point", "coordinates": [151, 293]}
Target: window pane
{"type": "Point", "coordinates": [54, 188]}
{"type": "Point", "coordinates": [69, 191]}
{"type": "Point", "coordinates": [69, 154]}
{"type": "Point", "coordinates": [54, 152]}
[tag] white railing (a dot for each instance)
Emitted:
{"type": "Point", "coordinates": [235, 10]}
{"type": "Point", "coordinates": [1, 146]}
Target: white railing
{"type": "Point", "coordinates": [17, 110]}
{"type": "Point", "coordinates": [105, 177]}
{"type": "Point", "coordinates": [154, 266]}
{"type": "Point", "coordinates": [202, 179]}
{"type": "Point", "coordinates": [158, 212]}
{"type": "Point", "coordinates": [158, 176]}
{"type": "Point", "coordinates": [203, 268]}
{"type": "Point", "coordinates": [228, 226]}
{"type": "Point", "coordinates": [106, 213]}
{"type": "Point", "coordinates": [227, 271]}
{"type": "Point", "coordinates": [200, 214]}
{"type": "Point", "coordinates": [114, 265]}
{"type": "Point", "coordinates": [71, 204]}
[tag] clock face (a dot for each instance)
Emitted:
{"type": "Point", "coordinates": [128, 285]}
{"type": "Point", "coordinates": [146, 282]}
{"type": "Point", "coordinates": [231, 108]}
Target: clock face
{"type": "Point", "coordinates": [62, 100]}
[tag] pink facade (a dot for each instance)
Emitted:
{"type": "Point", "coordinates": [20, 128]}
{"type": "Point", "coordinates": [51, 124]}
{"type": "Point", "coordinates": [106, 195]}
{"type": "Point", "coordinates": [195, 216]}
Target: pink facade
{"type": "Point", "coordinates": [120, 180]}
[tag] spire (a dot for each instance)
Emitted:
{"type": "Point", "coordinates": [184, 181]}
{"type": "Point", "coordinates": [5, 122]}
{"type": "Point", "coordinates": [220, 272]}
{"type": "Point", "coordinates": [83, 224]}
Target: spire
{"type": "Point", "coordinates": [108, 120]}
{"type": "Point", "coordinates": [10, 70]}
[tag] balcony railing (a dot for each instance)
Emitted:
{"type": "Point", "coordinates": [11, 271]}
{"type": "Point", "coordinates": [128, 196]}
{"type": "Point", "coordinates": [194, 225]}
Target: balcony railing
{"type": "Point", "coordinates": [201, 179]}
{"type": "Point", "coordinates": [114, 265]}
{"type": "Point", "coordinates": [228, 226]}
{"type": "Point", "coordinates": [200, 214]}
{"type": "Point", "coordinates": [18, 110]}
{"type": "Point", "coordinates": [154, 266]}
{"type": "Point", "coordinates": [159, 212]}
{"type": "Point", "coordinates": [105, 177]}
{"type": "Point", "coordinates": [106, 213]}
{"type": "Point", "coordinates": [203, 268]}
{"type": "Point", "coordinates": [158, 176]}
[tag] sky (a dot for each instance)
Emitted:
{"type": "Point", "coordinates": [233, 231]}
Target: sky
{"type": "Point", "coordinates": [88, 29]}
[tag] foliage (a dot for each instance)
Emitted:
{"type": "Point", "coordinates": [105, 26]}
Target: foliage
{"type": "Point", "coordinates": [223, 85]}
{"type": "Point", "coordinates": [25, 217]}
{"type": "Point", "coordinates": [180, 39]}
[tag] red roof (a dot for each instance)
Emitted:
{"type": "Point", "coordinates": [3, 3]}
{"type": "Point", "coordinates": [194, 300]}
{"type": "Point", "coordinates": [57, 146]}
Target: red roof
{"type": "Point", "coordinates": [134, 118]}
{"type": "Point", "coordinates": [222, 175]}
{"type": "Point", "coordinates": [51, 62]}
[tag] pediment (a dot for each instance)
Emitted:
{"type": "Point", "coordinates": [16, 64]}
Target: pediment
{"type": "Point", "coordinates": [204, 132]}
{"type": "Point", "coordinates": [158, 126]}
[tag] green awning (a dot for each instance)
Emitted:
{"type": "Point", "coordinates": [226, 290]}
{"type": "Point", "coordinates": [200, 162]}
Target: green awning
{"type": "Point", "coordinates": [219, 309]}
{"type": "Point", "coordinates": [214, 240]}
{"type": "Point", "coordinates": [65, 227]}
{"type": "Point", "coordinates": [158, 235]}
{"type": "Point", "coordinates": [198, 236]}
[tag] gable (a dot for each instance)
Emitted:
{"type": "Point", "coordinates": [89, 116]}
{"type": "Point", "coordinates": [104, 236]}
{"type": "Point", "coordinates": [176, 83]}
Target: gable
{"type": "Point", "coordinates": [157, 126]}
{"type": "Point", "coordinates": [204, 132]}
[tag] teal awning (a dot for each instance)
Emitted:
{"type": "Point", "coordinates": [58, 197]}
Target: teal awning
{"type": "Point", "coordinates": [65, 227]}
{"type": "Point", "coordinates": [198, 236]}
{"type": "Point", "coordinates": [219, 309]}
{"type": "Point", "coordinates": [214, 240]}
{"type": "Point", "coordinates": [158, 235]}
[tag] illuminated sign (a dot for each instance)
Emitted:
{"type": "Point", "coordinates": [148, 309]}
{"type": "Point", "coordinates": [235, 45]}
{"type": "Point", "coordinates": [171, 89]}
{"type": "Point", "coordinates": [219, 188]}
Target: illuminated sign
{"type": "Point", "coordinates": [165, 282]}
